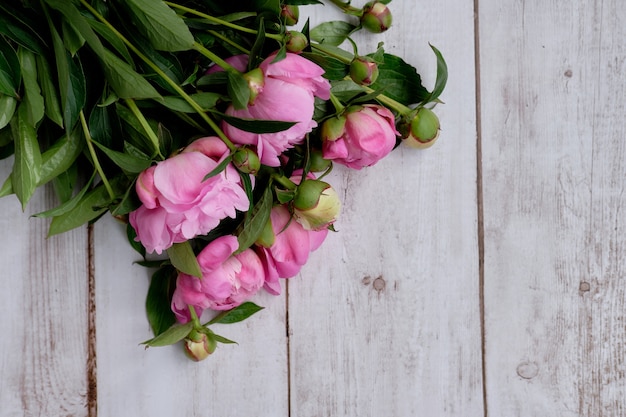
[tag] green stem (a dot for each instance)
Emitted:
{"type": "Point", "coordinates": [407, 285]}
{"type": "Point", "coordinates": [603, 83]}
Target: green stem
{"type": "Point", "coordinates": [229, 41]}
{"type": "Point", "coordinates": [222, 22]}
{"type": "Point", "coordinates": [194, 316]}
{"type": "Point", "coordinates": [284, 181]}
{"type": "Point", "coordinates": [389, 102]}
{"type": "Point", "coordinates": [219, 61]}
{"type": "Point", "coordinates": [336, 103]}
{"type": "Point", "coordinates": [94, 157]}
{"type": "Point", "coordinates": [346, 8]}
{"type": "Point", "coordinates": [146, 126]}
{"type": "Point", "coordinates": [164, 76]}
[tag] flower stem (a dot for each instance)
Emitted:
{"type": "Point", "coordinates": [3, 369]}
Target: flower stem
{"type": "Point", "coordinates": [94, 157]}
{"type": "Point", "coordinates": [284, 181]}
{"type": "Point", "coordinates": [194, 316]}
{"type": "Point", "coordinates": [164, 76]}
{"type": "Point", "coordinates": [219, 61]}
{"type": "Point", "coordinates": [222, 22]}
{"type": "Point", "coordinates": [347, 9]}
{"type": "Point", "coordinates": [336, 103]}
{"type": "Point", "coordinates": [146, 126]}
{"type": "Point", "coordinates": [229, 41]}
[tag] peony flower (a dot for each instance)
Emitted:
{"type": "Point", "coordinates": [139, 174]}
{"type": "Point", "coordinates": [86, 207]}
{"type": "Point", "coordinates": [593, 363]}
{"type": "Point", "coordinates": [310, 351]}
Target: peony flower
{"type": "Point", "coordinates": [290, 249]}
{"type": "Point", "coordinates": [360, 137]}
{"type": "Point", "coordinates": [227, 280]}
{"type": "Point", "coordinates": [287, 93]}
{"type": "Point", "coordinates": [178, 204]}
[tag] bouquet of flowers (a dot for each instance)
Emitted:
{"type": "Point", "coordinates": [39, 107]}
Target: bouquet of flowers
{"type": "Point", "coordinates": [207, 127]}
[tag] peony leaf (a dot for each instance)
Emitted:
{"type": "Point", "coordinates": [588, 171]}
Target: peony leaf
{"type": "Point", "coordinates": [52, 105]}
{"type": "Point", "coordinates": [400, 81]}
{"type": "Point", "coordinates": [219, 168]}
{"type": "Point", "coordinates": [158, 299]}
{"type": "Point", "coordinates": [222, 339]}
{"type": "Point", "coordinates": [61, 155]}
{"type": "Point", "coordinates": [236, 314]}
{"type": "Point", "coordinates": [442, 76]}
{"type": "Point", "coordinates": [256, 126]}
{"type": "Point", "coordinates": [19, 29]}
{"type": "Point", "coordinates": [161, 25]}
{"type": "Point", "coordinates": [204, 100]}
{"type": "Point", "coordinates": [69, 204]}
{"type": "Point", "coordinates": [334, 69]}
{"type": "Point", "coordinates": [184, 259]}
{"type": "Point", "coordinates": [255, 221]}
{"type": "Point", "coordinates": [301, 2]}
{"type": "Point", "coordinates": [10, 72]}
{"type": "Point", "coordinates": [32, 93]}
{"type": "Point", "coordinates": [125, 81]}
{"type": "Point", "coordinates": [27, 166]}
{"type": "Point", "coordinates": [174, 334]}
{"type": "Point", "coordinates": [332, 33]}
{"type": "Point", "coordinates": [128, 163]}
{"type": "Point", "coordinates": [7, 109]}
{"type": "Point", "coordinates": [238, 89]}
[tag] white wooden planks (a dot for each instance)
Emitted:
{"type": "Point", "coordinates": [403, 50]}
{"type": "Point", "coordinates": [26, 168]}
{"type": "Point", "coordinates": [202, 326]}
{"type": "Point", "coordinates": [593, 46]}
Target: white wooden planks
{"type": "Point", "coordinates": [43, 305]}
{"type": "Point", "coordinates": [384, 321]}
{"type": "Point", "coordinates": [554, 163]}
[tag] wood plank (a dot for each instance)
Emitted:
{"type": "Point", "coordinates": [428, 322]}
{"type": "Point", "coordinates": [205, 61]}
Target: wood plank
{"type": "Point", "coordinates": [554, 160]}
{"type": "Point", "coordinates": [43, 304]}
{"type": "Point", "coordinates": [385, 318]}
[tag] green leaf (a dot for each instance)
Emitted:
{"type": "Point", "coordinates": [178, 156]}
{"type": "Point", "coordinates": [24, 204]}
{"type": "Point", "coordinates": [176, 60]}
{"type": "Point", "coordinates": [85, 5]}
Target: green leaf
{"type": "Point", "coordinates": [222, 339]}
{"type": "Point", "coordinates": [91, 205]}
{"type": "Point", "coordinates": [27, 166]}
{"type": "Point", "coordinates": [236, 314]}
{"type": "Point", "coordinates": [131, 234]}
{"type": "Point", "coordinates": [7, 188]}
{"type": "Point", "coordinates": [205, 100]}
{"type": "Point", "coordinates": [184, 259]}
{"type": "Point", "coordinates": [301, 2]}
{"type": "Point", "coordinates": [219, 168]}
{"type": "Point", "coordinates": [64, 183]}
{"type": "Point", "coordinates": [69, 204]}
{"type": "Point", "coordinates": [334, 69]}
{"type": "Point", "coordinates": [332, 33]}
{"type": "Point", "coordinates": [128, 163]}
{"type": "Point", "coordinates": [256, 126]}
{"type": "Point", "coordinates": [174, 334]}
{"type": "Point", "coordinates": [400, 81]}
{"type": "Point", "coordinates": [272, 6]}
{"type": "Point", "coordinates": [16, 27]}
{"type": "Point", "coordinates": [32, 93]}
{"type": "Point", "coordinates": [61, 155]}
{"type": "Point", "coordinates": [238, 89]}
{"type": "Point", "coordinates": [52, 105]}
{"type": "Point", "coordinates": [112, 39]}
{"type": "Point", "coordinates": [72, 40]}
{"type": "Point", "coordinates": [7, 109]}
{"type": "Point", "coordinates": [161, 25]}
{"type": "Point", "coordinates": [442, 76]}
{"type": "Point", "coordinates": [255, 221]}
{"type": "Point", "coordinates": [10, 72]}
{"type": "Point", "coordinates": [158, 300]}
{"type": "Point", "coordinates": [124, 80]}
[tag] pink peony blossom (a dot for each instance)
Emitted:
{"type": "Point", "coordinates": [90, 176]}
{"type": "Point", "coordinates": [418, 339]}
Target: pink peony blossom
{"type": "Point", "coordinates": [287, 93]}
{"type": "Point", "coordinates": [177, 204]}
{"type": "Point", "coordinates": [362, 136]}
{"type": "Point", "coordinates": [227, 280]}
{"type": "Point", "coordinates": [290, 249]}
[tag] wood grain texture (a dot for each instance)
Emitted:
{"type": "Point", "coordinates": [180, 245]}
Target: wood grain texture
{"type": "Point", "coordinates": [384, 320]}
{"type": "Point", "coordinates": [43, 305]}
{"type": "Point", "coordinates": [554, 164]}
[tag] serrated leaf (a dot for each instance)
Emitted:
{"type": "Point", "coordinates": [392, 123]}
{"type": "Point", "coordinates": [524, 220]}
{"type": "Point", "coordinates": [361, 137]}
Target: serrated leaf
{"type": "Point", "coordinates": [184, 259]}
{"type": "Point", "coordinates": [255, 221]}
{"type": "Point", "coordinates": [158, 300]}
{"type": "Point", "coordinates": [7, 109]}
{"type": "Point", "coordinates": [174, 334]}
{"type": "Point", "coordinates": [236, 314]}
{"type": "Point", "coordinates": [27, 165]}
{"type": "Point", "coordinates": [332, 33]}
{"type": "Point", "coordinates": [161, 25]}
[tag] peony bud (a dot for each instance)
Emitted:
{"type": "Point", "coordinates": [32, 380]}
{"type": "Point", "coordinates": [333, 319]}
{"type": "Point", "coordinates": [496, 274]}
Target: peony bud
{"type": "Point", "coordinates": [296, 41]}
{"type": "Point", "coordinates": [246, 161]}
{"type": "Point", "coordinates": [424, 129]}
{"type": "Point", "coordinates": [316, 205]}
{"type": "Point", "coordinates": [363, 70]}
{"type": "Point", "coordinates": [199, 346]}
{"type": "Point", "coordinates": [290, 13]}
{"type": "Point", "coordinates": [376, 17]}
{"type": "Point", "coordinates": [256, 82]}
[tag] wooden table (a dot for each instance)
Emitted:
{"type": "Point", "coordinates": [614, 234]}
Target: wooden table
{"type": "Point", "coordinates": [484, 276]}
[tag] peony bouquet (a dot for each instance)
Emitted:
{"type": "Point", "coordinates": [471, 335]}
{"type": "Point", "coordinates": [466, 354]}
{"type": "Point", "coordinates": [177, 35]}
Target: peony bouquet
{"type": "Point", "coordinates": [207, 127]}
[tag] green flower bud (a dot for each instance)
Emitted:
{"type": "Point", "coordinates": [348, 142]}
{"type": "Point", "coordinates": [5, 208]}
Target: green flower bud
{"type": "Point", "coordinates": [198, 346]}
{"type": "Point", "coordinates": [316, 205]}
{"type": "Point", "coordinates": [376, 17]}
{"type": "Point", "coordinates": [424, 129]}
{"type": "Point", "coordinates": [290, 14]}
{"type": "Point", "coordinates": [296, 41]}
{"type": "Point", "coordinates": [256, 81]}
{"type": "Point", "coordinates": [363, 70]}
{"type": "Point", "coordinates": [317, 163]}
{"type": "Point", "coordinates": [267, 237]}
{"type": "Point", "coordinates": [246, 161]}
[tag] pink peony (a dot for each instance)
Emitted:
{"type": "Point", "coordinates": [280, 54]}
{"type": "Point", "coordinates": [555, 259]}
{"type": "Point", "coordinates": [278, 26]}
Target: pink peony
{"type": "Point", "coordinates": [362, 136]}
{"type": "Point", "coordinates": [290, 249]}
{"type": "Point", "coordinates": [287, 93]}
{"type": "Point", "coordinates": [177, 204]}
{"type": "Point", "coordinates": [227, 280]}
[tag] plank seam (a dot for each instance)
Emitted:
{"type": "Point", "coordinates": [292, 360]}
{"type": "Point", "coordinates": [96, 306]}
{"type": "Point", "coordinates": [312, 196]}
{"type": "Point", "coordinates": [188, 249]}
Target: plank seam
{"type": "Point", "coordinates": [480, 208]}
{"type": "Point", "coordinates": [92, 391]}
{"type": "Point", "coordinates": [288, 348]}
